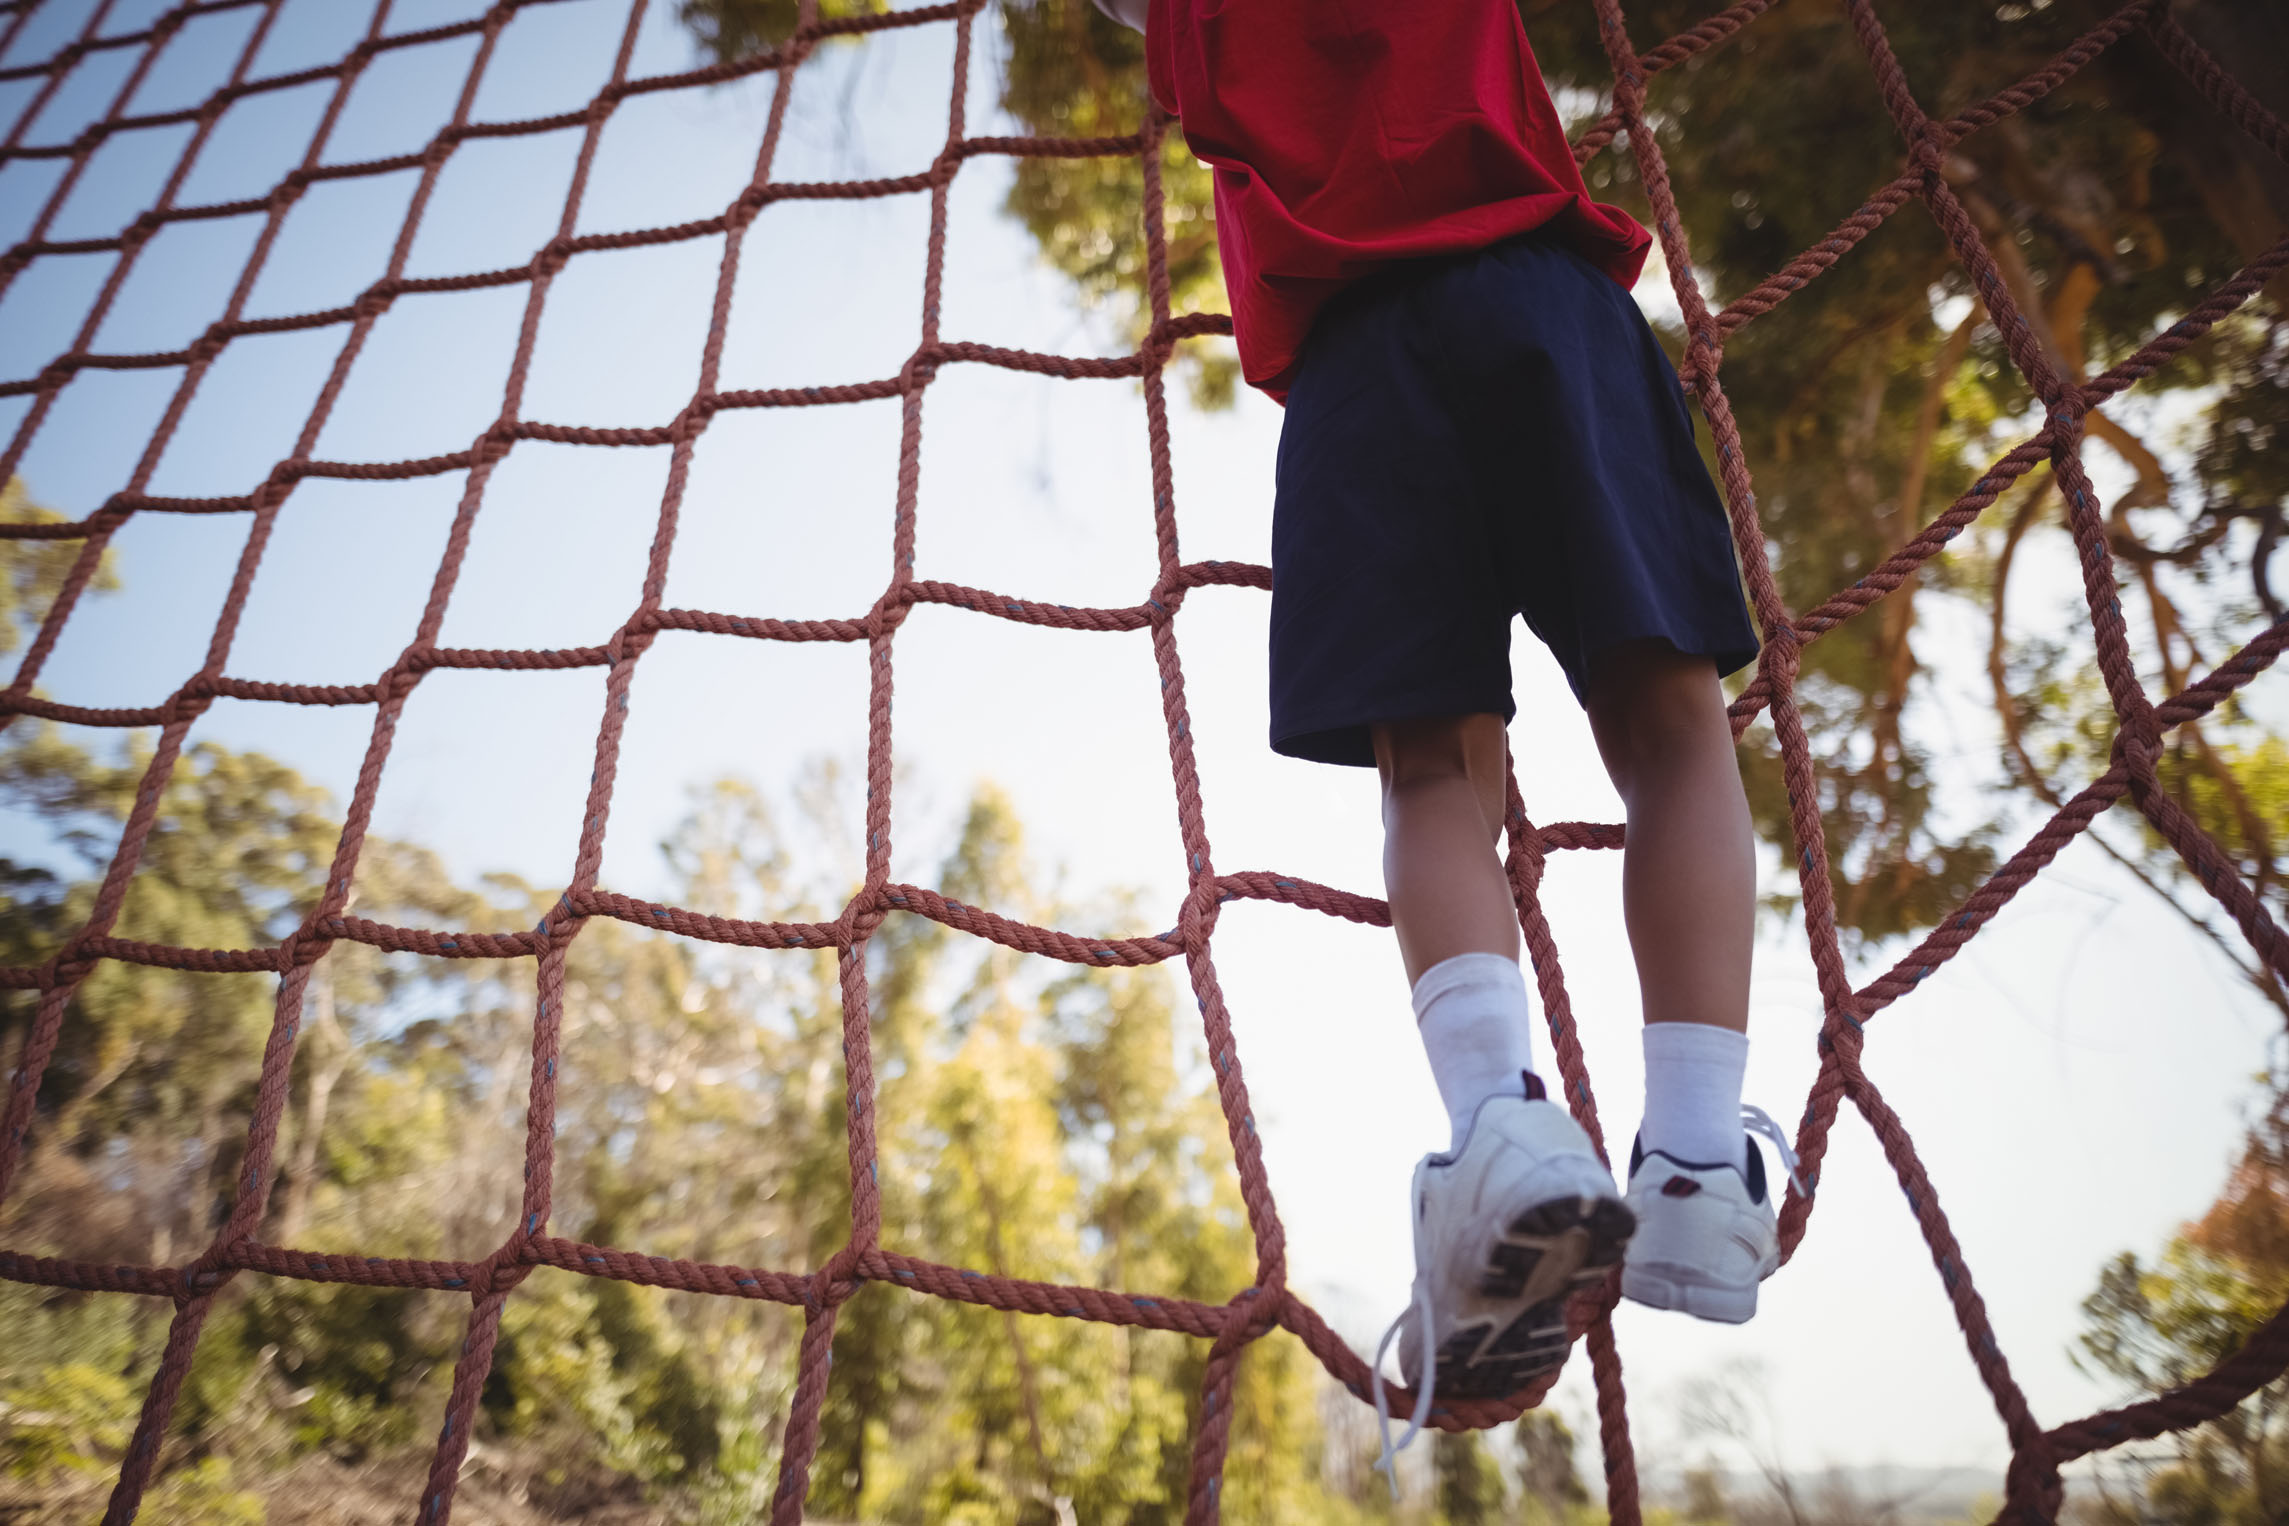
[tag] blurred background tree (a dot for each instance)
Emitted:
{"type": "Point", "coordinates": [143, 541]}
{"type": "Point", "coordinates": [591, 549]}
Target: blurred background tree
{"type": "Point", "coordinates": [1037, 1120]}
{"type": "Point", "coordinates": [1068, 71]}
{"type": "Point", "coordinates": [1873, 397]}
{"type": "Point", "coordinates": [2153, 1325]}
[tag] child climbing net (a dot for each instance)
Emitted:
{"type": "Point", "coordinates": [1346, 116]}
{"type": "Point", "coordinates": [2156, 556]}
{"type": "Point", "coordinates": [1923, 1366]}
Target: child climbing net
{"type": "Point", "coordinates": [2034, 1489]}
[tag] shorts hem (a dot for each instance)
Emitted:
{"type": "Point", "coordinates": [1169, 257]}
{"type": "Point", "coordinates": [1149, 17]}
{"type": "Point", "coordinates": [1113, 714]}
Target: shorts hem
{"type": "Point", "coordinates": [1731, 650]}
{"type": "Point", "coordinates": [1347, 738]}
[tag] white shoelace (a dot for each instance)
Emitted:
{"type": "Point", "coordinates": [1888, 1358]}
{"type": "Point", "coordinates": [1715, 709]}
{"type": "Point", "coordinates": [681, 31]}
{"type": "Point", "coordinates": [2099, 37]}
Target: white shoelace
{"type": "Point", "coordinates": [1757, 1121]}
{"type": "Point", "coordinates": [1388, 1463]}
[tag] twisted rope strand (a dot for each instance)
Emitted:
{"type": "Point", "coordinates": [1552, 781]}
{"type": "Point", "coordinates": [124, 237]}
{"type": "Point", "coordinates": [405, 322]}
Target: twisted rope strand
{"type": "Point", "coordinates": [1268, 1302]}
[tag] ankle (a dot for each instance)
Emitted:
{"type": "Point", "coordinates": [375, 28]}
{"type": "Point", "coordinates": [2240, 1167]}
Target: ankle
{"type": "Point", "coordinates": [1693, 1074]}
{"type": "Point", "coordinates": [1472, 1013]}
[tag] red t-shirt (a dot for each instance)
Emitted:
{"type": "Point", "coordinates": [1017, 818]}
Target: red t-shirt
{"type": "Point", "coordinates": [1346, 134]}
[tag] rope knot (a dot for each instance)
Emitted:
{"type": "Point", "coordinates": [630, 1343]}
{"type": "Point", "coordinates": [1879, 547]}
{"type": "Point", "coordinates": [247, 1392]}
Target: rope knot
{"type": "Point", "coordinates": [865, 916]}
{"type": "Point", "coordinates": [1168, 597]}
{"type": "Point", "coordinates": [1929, 151]}
{"type": "Point", "coordinates": [890, 611]}
{"type": "Point", "coordinates": [280, 482]}
{"type": "Point", "coordinates": [1256, 1310]}
{"type": "Point", "coordinates": [505, 1268]}
{"type": "Point", "coordinates": [1845, 1035]}
{"type": "Point", "coordinates": [303, 948]}
{"type": "Point", "coordinates": [631, 641]}
{"type": "Point", "coordinates": [832, 1285]}
{"type": "Point", "coordinates": [562, 924]}
{"type": "Point", "coordinates": [189, 702]}
{"type": "Point", "coordinates": [496, 441]}
{"type": "Point", "coordinates": [920, 370]}
{"type": "Point", "coordinates": [1780, 657]}
{"type": "Point", "coordinates": [551, 257]}
{"type": "Point", "coordinates": [205, 1275]}
{"type": "Point", "coordinates": [398, 683]}
{"type": "Point", "coordinates": [2138, 745]}
{"type": "Point", "coordinates": [64, 968]}
{"type": "Point", "coordinates": [1202, 906]}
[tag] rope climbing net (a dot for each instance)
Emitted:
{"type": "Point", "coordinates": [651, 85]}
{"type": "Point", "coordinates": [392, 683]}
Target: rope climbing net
{"type": "Point", "coordinates": [2034, 1488]}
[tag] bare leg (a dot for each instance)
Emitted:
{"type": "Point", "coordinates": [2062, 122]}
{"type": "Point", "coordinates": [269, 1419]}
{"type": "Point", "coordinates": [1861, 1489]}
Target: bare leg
{"type": "Point", "coordinates": [1689, 875]}
{"type": "Point", "coordinates": [1442, 814]}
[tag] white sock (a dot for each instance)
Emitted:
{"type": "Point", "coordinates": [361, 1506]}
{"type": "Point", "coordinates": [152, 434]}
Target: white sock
{"type": "Point", "coordinates": [1472, 1013]}
{"type": "Point", "coordinates": [1693, 1077]}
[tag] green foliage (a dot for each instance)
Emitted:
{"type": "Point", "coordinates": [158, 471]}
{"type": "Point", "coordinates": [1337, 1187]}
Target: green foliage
{"type": "Point", "coordinates": [31, 571]}
{"type": "Point", "coordinates": [1031, 1119]}
{"type": "Point", "coordinates": [2239, 792]}
{"type": "Point", "coordinates": [70, 1389]}
{"type": "Point", "coordinates": [1869, 399]}
{"type": "Point", "coordinates": [1705, 1503]}
{"type": "Point", "coordinates": [1550, 1485]}
{"type": "Point", "coordinates": [1074, 72]}
{"type": "Point", "coordinates": [737, 28]}
{"type": "Point", "coordinates": [70, 1418]}
{"type": "Point", "coordinates": [1467, 1482]}
{"type": "Point", "coordinates": [1070, 72]}
{"type": "Point", "coordinates": [2156, 1325]}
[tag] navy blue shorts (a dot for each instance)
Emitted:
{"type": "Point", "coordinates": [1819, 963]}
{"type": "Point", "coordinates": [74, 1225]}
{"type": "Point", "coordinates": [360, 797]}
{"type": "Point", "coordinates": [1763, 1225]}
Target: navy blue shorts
{"type": "Point", "coordinates": [1470, 438]}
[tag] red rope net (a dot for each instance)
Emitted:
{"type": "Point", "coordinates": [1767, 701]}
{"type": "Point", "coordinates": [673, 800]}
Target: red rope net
{"type": "Point", "coordinates": [2034, 1489]}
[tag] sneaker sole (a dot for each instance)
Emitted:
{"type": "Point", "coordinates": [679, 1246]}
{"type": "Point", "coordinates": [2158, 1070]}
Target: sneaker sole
{"type": "Point", "coordinates": [1702, 1300]}
{"type": "Point", "coordinates": [1549, 1253]}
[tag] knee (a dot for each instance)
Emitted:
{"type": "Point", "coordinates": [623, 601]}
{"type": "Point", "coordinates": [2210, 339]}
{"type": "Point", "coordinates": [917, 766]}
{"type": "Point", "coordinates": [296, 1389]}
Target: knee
{"type": "Point", "coordinates": [1444, 750]}
{"type": "Point", "coordinates": [1432, 747]}
{"type": "Point", "coordinates": [1649, 704]}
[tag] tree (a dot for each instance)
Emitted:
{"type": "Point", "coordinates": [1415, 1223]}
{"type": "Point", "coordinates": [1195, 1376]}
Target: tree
{"type": "Point", "coordinates": [1032, 1120]}
{"type": "Point", "coordinates": [2112, 204]}
{"type": "Point", "coordinates": [1549, 1483]}
{"type": "Point", "coordinates": [1467, 1482]}
{"type": "Point", "coordinates": [31, 571]}
{"type": "Point", "coordinates": [2157, 1325]}
{"type": "Point", "coordinates": [1070, 72]}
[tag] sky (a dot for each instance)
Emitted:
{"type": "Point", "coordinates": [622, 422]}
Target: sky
{"type": "Point", "coordinates": [2076, 1081]}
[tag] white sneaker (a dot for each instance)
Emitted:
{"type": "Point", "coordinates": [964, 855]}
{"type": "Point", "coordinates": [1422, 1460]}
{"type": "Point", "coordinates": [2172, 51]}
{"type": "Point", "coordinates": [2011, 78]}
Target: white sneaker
{"type": "Point", "coordinates": [1506, 1229]}
{"type": "Point", "coordinates": [1706, 1234]}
